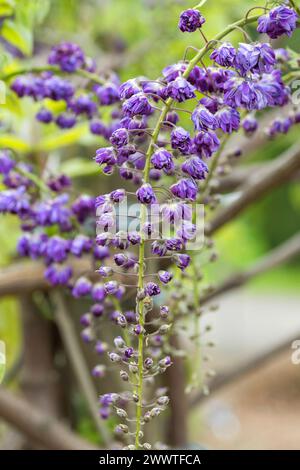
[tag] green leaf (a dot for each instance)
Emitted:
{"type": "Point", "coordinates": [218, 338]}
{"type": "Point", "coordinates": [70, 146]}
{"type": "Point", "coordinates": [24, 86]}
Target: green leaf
{"type": "Point", "coordinates": [7, 7]}
{"type": "Point", "coordinates": [17, 35]}
{"type": "Point", "coordinates": [14, 143]}
{"type": "Point", "coordinates": [77, 167]}
{"type": "Point", "coordinates": [62, 139]}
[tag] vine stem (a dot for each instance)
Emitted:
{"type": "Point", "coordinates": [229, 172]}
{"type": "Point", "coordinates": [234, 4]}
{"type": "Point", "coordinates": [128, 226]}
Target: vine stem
{"type": "Point", "coordinates": [152, 143]}
{"type": "Point", "coordinates": [51, 68]}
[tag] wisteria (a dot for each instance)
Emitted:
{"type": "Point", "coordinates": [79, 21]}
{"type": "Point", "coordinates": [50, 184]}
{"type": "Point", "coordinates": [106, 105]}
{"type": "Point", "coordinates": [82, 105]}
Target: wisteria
{"type": "Point", "coordinates": [166, 170]}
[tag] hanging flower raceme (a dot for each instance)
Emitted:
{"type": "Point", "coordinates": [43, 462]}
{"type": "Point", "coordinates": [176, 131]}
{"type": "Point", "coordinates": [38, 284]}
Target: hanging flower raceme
{"type": "Point", "coordinates": [165, 138]}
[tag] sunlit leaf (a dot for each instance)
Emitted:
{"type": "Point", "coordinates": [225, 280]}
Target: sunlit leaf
{"type": "Point", "coordinates": [17, 35]}
{"type": "Point", "coordinates": [62, 138]}
{"type": "Point", "coordinates": [78, 167]}
{"type": "Point", "coordinates": [14, 143]}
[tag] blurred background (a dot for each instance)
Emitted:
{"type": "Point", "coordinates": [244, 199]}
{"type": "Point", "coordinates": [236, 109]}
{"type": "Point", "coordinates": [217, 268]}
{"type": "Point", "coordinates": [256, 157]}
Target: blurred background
{"type": "Point", "coordinates": [252, 406]}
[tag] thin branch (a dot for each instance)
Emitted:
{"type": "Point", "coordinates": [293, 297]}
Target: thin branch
{"type": "Point", "coordinates": [283, 253]}
{"type": "Point", "coordinates": [38, 426]}
{"type": "Point", "coordinates": [259, 184]}
{"type": "Point", "coordinates": [231, 377]}
{"type": "Point", "coordinates": [76, 358]}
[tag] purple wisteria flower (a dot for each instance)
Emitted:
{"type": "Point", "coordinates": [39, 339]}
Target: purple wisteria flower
{"type": "Point", "coordinates": [84, 104]}
{"type": "Point", "coordinates": [203, 119]}
{"type": "Point", "coordinates": [165, 277]}
{"type": "Point", "coordinates": [44, 115]}
{"type": "Point", "coordinates": [182, 261]}
{"type": "Point", "coordinates": [171, 72]}
{"type": "Point", "coordinates": [128, 89]}
{"type": "Point", "coordinates": [119, 137]}
{"type": "Point", "coordinates": [6, 163]}
{"type": "Point", "coordinates": [107, 94]}
{"type": "Point", "coordinates": [228, 119]}
{"type": "Point", "coordinates": [106, 156]}
{"type": "Point", "coordinates": [241, 93]}
{"type": "Point", "coordinates": [255, 58]}
{"type": "Point", "coordinates": [190, 20]}
{"type": "Point", "coordinates": [180, 90]}
{"type": "Point", "coordinates": [249, 125]}
{"type": "Point", "coordinates": [205, 143]}
{"type": "Point", "coordinates": [82, 287]}
{"type": "Point", "coordinates": [278, 21]}
{"type": "Point", "coordinates": [224, 55]}
{"type": "Point", "coordinates": [162, 160]}
{"type": "Point", "coordinates": [181, 140]}
{"type": "Point", "coordinates": [195, 167]}
{"type": "Point", "coordinates": [145, 194]}
{"type": "Point", "coordinates": [185, 188]}
{"type": "Point", "coordinates": [137, 104]}
{"type": "Point", "coordinates": [68, 56]}
{"type": "Point", "coordinates": [66, 121]}
{"type": "Point", "coordinates": [152, 289]}
{"type": "Point", "coordinates": [58, 275]}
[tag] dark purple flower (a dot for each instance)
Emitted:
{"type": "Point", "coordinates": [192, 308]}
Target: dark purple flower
{"type": "Point", "coordinates": [185, 188]}
{"type": "Point", "coordinates": [152, 289]}
{"type": "Point", "coordinates": [59, 183]}
{"type": "Point", "coordinates": [120, 137]}
{"type": "Point", "coordinates": [137, 104]}
{"type": "Point", "coordinates": [162, 160]}
{"type": "Point", "coordinates": [195, 167]}
{"type": "Point", "coordinates": [280, 20]}
{"type": "Point", "coordinates": [228, 119]}
{"type": "Point", "coordinates": [175, 212]}
{"type": "Point", "coordinates": [128, 89]}
{"type": "Point", "coordinates": [158, 248]}
{"type": "Point", "coordinates": [111, 287]}
{"type": "Point", "coordinates": [134, 238]}
{"type": "Point", "coordinates": [118, 195]}
{"type": "Point", "coordinates": [106, 156]}
{"type": "Point", "coordinates": [6, 163]}
{"type": "Point", "coordinates": [186, 231]}
{"type": "Point", "coordinates": [65, 121]}
{"type": "Point", "coordinates": [181, 140]}
{"type": "Point", "coordinates": [83, 207]}
{"type": "Point", "coordinates": [57, 249]}
{"type": "Point", "coordinates": [165, 276]}
{"type": "Point", "coordinates": [272, 87]}
{"type": "Point", "coordinates": [107, 94]}
{"type": "Point", "coordinates": [203, 119]}
{"type": "Point", "coordinates": [190, 20]}
{"type": "Point", "coordinates": [44, 115]}
{"type": "Point", "coordinates": [255, 58]}
{"type": "Point", "coordinates": [212, 104]}
{"type": "Point", "coordinates": [180, 90]}
{"type": "Point", "coordinates": [171, 72]}
{"type": "Point", "coordinates": [97, 309]}
{"type": "Point", "coordinates": [280, 126]}
{"type": "Point", "coordinates": [145, 194]}
{"type": "Point", "coordinates": [81, 244]}
{"type": "Point", "coordinates": [206, 143]}
{"type": "Point", "coordinates": [224, 55]}
{"type": "Point", "coordinates": [174, 244]}
{"type": "Point", "coordinates": [98, 292]}
{"type": "Point", "coordinates": [58, 275]}
{"type": "Point", "coordinates": [82, 287]}
{"type": "Point", "coordinates": [101, 252]}
{"type": "Point", "coordinates": [182, 260]}
{"type": "Point", "coordinates": [98, 128]}
{"type": "Point", "coordinates": [57, 88]}
{"type": "Point", "coordinates": [68, 56]}
{"type": "Point", "coordinates": [84, 104]}
{"type": "Point", "coordinates": [250, 125]}
{"type": "Point", "coordinates": [240, 93]}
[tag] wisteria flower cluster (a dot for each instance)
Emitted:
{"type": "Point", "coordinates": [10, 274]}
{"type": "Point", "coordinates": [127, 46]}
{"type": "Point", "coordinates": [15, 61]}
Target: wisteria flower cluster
{"type": "Point", "coordinates": [171, 167]}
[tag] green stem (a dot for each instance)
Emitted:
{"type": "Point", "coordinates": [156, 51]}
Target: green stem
{"type": "Point", "coordinates": [153, 140]}
{"type": "Point", "coordinates": [51, 68]}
